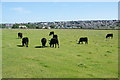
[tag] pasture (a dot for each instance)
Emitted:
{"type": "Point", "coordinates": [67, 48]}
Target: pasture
{"type": "Point", "coordinates": [97, 59]}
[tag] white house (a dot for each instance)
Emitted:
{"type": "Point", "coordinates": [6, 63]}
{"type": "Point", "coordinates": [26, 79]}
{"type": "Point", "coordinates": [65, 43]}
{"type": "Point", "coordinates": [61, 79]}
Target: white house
{"type": "Point", "coordinates": [22, 27]}
{"type": "Point", "coordinates": [45, 27]}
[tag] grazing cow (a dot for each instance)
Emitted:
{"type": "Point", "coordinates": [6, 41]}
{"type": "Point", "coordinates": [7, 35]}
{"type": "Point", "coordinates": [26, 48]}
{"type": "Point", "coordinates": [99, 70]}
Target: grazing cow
{"type": "Point", "coordinates": [53, 42]}
{"type": "Point", "coordinates": [43, 41]}
{"type": "Point", "coordinates": [25, 41]}
{"type": "Point", "coordinates": [109, 35]}
{"type": "Point", "coordinates": [52, 33]}
{"type": "Point", "coordinates": [83, 39]}
{"type": "Point", "coordinates": [19, 35]}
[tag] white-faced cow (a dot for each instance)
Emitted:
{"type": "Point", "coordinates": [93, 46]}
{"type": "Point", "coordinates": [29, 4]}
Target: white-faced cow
{"type": "Point", "coordinates": [25, 41]}
{"type": "Point", "coordinates": [52, 33]}
{"type": "Point", "coordinates": [109, 35]}
{"type": "Point", "coordinates": [53, 42]}
{"type": "Point", "coordinates": [20, 35]}
{"type": "Point", "coordinates": [83, 39]}
{"type": "Point", "coordinates": [43, 41]}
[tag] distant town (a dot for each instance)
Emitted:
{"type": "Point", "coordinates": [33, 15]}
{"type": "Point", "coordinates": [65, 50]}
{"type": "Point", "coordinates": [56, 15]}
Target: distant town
{"type": "Point", "coordinates": [88, 24]}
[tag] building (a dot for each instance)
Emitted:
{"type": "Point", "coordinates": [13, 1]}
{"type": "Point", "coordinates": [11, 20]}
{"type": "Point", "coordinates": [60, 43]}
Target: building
{"type": "Point", "coordinates": [22, 27]}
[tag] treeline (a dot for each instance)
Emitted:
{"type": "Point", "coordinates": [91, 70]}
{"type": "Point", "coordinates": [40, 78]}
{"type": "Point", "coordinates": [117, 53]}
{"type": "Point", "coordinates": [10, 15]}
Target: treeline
{"type": "Point", "coordinates": [96, 24]}
{"type": "Point", "coordinates": [31, 26]}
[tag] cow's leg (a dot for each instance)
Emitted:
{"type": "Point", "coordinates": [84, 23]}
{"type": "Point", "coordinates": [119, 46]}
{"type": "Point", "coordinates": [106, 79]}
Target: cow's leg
{"type": "Point", "coordinates": [111, 37]}
{"type": "Point", "coordinates": [106, 37]}
{"type": "Point", "coordinates": [22, 43]}
{"type": "Point", "coordinates": [26, 44]}
{"type": "Point", "coordinates": [19, 37]}
{"type": "Point", "coordinates": [42, 45]}
{"type": "Point", "coordinates": [58, 45]}
{"type": "Point", "coordinates": [53, 45]}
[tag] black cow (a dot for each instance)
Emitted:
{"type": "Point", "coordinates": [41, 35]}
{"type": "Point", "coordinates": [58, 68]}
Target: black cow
{"type": "Point", "coordinates": [20, 35]}
{"type": "Point", "coordinates": [43, 41]}
{"type": "Point", "coordinates": [25, 41]}
{"type": "Point", "coordinates": [109, 35]}
{"type": "Point", "coordinates": [53, 42]}
{"type": "Point", "coordinates": [52, 33]}
{"type": "Point", "coordinates": [83, 39]}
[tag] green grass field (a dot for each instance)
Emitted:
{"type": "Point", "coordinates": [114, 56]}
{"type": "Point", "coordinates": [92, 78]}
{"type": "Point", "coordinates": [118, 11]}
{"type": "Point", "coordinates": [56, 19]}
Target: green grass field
{"type": "Point", "coordinates": [97, 59]}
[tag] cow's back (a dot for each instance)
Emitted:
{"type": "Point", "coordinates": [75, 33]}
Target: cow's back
{"type": "Point", "coordinates": [109, 35]}
{"type": "Point", "coordinates": [43, 40]}
{"type": "Point", "coordinates": [84, 39]}
{"type": "Point", "coordinates": [25, 39]}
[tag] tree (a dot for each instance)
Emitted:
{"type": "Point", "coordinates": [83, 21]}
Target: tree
{"type": "Point", "coordinates": [15, 26]}
{"type": "Point", "coordinates": [2, 26]}
{"type": "Point", "coordinates": [52, 26]}
{"type": "Point", "coordinates": [117, 24]}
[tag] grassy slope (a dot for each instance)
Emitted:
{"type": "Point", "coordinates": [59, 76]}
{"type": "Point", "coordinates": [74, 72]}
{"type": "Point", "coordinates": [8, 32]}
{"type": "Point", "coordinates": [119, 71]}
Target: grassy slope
{"type": "Point", "coordinates": [97, 59]}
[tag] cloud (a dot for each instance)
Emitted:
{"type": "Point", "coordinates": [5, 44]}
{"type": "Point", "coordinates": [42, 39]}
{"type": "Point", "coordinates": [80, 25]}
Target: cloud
{"type": "Point", "coordinates": [21, 10]}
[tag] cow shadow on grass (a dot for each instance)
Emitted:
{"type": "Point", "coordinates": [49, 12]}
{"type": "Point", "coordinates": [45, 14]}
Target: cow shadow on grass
{"type": "Point", "coordinates": [19, 46]}
{"type": "Point", "coordinates": [40, 46]}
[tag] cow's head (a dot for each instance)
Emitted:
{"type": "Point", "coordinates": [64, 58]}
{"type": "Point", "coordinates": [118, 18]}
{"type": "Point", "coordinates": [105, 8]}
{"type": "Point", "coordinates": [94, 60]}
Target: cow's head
{"type": "Point", "coordinates": [51, 33]}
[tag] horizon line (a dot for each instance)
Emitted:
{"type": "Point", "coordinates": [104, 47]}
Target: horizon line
{"type": "Point", "coordinates": [56, 21]}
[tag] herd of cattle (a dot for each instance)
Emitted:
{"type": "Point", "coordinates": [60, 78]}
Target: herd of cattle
{"type": "Point", "coordinates": [54, 40]}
